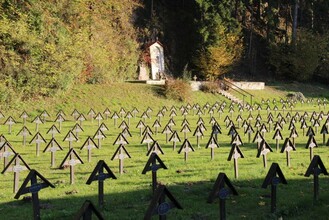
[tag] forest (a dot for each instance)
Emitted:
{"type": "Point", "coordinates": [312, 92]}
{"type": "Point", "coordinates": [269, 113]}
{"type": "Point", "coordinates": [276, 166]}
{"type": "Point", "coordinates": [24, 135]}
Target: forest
{"type": "Point", "coordinates": [49, 46]}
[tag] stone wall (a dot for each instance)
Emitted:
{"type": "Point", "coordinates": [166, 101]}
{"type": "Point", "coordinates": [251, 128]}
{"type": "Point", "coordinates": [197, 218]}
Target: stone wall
{"type": "Point", "coordinates": [250, 85]}
{"type": "Point", "coordinates": [196, 85]}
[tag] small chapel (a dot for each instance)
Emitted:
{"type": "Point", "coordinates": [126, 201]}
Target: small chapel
{"type": "Point", "coordinates": [154, 67]}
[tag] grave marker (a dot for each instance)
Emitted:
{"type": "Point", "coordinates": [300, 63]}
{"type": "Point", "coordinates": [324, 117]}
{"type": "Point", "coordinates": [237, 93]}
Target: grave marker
{"type": "Point", "coordinates": [123, 124]}
{"type": "Point", "coordinates": [258, 139]}
{"type": "Point", "coordinates": [86, 211]}
{"type": "Point", "coordinates": [160, 115]}
{"type": "Point", "coordinates": [293, 135]}
{"type": "Point", "coordinates": [53, 130]}
{"type": "Point", "coordinates": [70, 137]}
{"type": "Point", "coordinates": [167, 130]}
{"type": "Point", "coordinates": [37, 139]}
{"type": "Point", "coordinates": [174, 138]}
{"type": "Point", "coordinates": [121, 153]}
{"type": "Point", "coordinates": [60, 112]}
{"type": "Point", "coordinates": [34, 188]}
{"type": "Point", "coordinates": [103, 127]}
{"type": "Point", "coordinates": [171, 123]}
{"type": "Point", "coordinates": [303, 126]}
{"type": "Point", "coordinates": [89, 144]}
{"type": "Point", "coordinates": [239, 119]}
{"type": "Point", "coordinates": [69, 160]}
{"type": "Point", "coordinates": [44, 114]}
{"type": "Point", "coordinates": [77, 129]}
{"type": "Point", "coordinates": [6, 151]}
{"type": "Point", "coordinates": [99, 118]}
{"type": "Point", "coordinates": [156, 125]}
{"type": "Point", "coordinates": [120, 140]}
{"type": "Point", "coordinates": [141, 126]}
{"type": "Point", "coordinates": [311, 143]}
{"type": "Point", "coordinates": [126, 132]}
{"type": "Point", "coordinates": [236, 153]}
{"type": "Point", "coordinates": [75, 114]}
{"type": "Point", "coordinates": [324, 131]}
{"type": "Point", "coordinates": [24, 116]}
{"type": "Point", "coordinates": [277, 137]}
{"type": "Point", "coordinates": [263, 130]}
{"type": "Point", "coordinates": [186, 147]}
{"type": "Point", "coordinates": [237, 140]}
{"type": "Point", "coordinates": [216, 129]}
{"type": "Point", "coordinates": [198, 133]}
{"type": "Point", "coordinates": [99, 135]}
{"type": "Point", "coordinates": [159, 206]}
{"type": "Point", "coordinates": [273, 178]}
{"type": "Point", "coordinates": [153, 164]}
{"type": "Point", "coordinates": [155, 148]}
{"type": "Point", "coordinates": [144, 116]}
{"type": "Point", "coordinates": [232, 132]}
{"type": "Point", "coordinates": [115, 116]}
{"type": "Point", "coordinates": [287, 147]}
{"type": "Point", "coordinates": [148, 139]}
{"type": "Point", "coordinates": [219, 191]}
{"type": "Point", "coordinates": [263, 150]}
{"type": "Point", "coordinates": [129, 116]}
{"type": "Point", "coordinates": [310, 131]}
{"type": "Point", "coordinates": [249, 131]}
{"type": "Point", "coordinates": [81, 118]}
{"type": "Point", "coordinates": [212, 144]}
{"type": "Point", "coordinates": [135, 112]}
{"type": "Point", "coordinates": [147, 129]}
{"type": "Point", "coordinates": [185, 129]}
{"type": "Point", "coordinates": [60, 119]}
{"type": "Point", "coordinates": [122, 112]}
{"type": "Point", "coordinates": [16, 165]}
{"type": "Point", "coordinates": [315, 168]}
{"type": "Point", "coordinates": [24, 132]}
{"type": "Point", "coordinates": [10, 121]}
{"type": "Point", "coordinates": [107, 113]}
{"type": "Point", "coordinates": [91, 114]}
{"type": "Point", "coordinates": [99, 175]}
{"type": "Point", "coordinates": [52, 146]}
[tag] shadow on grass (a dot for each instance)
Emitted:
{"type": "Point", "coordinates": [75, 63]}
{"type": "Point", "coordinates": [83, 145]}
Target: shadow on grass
{"type": "Point", "coordinates": [158, 90]}
{"type": "Point", "coordinates": [309, 90]}
{"type": "Point", "coordinates": [294, 201]}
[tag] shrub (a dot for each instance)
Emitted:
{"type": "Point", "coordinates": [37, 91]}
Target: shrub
{"type": "Point", "coordinates": [211, 87]}
{"type": "Point", "coordinates": [178, 90]}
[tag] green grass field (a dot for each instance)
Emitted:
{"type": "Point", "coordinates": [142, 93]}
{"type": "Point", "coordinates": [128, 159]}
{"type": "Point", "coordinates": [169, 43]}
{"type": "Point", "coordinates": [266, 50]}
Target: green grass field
{"type": "Point", "coordinates": [129, 196]}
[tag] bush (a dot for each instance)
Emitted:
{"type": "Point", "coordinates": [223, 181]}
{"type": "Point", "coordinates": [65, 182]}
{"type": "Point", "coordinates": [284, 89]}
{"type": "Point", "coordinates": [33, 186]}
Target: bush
{"type": "Point", "coordinates": [178, 90]}
{"type": "Point", "coordinates": [211, 87]}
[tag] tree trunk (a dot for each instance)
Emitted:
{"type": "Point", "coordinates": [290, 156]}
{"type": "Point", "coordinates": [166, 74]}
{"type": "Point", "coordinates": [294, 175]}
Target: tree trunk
{"type": "Point", "coordinates": [294, 23]}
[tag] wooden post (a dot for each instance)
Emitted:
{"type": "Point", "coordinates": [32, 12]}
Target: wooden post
{"type": "Point", "coordinates": [264, 160]}
{"type": "Point", "coordinates": [89, 153]}
{"type": "Point", "coordinates": [35, 200]}
{"type": "Point", "coordinates": [53, 158]}
{"type": "Point", "coordinates": [222, 211]}
{"type": "Point", "coordinates": [288, 158]}
{"type": "Point", "coordinates": [311, 153]}
{"type": "Point", "coordinates": [121, 156]}
{"type": "Point", "coordinates": [16, 176]}
{"type": "Point", "coordinates": [101, 187]}
{"type": "Point", "coordinates": [236, 169]}
{"type": "Point", "coordinates": [273, 197]}
{"type": "Point", "coordinates": [154, 176]}
{"type": "Point", "coordinates": [71, 174]}
{"type": "Point", "coordinates": [316, 186]}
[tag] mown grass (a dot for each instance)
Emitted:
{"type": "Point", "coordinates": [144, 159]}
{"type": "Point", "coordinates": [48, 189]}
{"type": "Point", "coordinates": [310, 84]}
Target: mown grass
{"type": "Point", "coordinates": [128, 196]}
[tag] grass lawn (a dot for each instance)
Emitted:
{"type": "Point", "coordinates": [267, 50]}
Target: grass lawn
{"type": "Point", "coordinates": [190, 182]}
